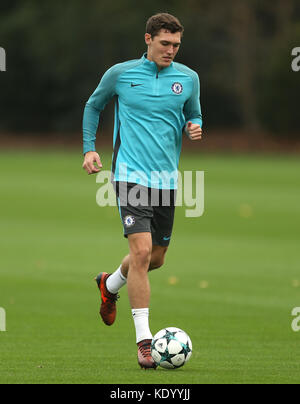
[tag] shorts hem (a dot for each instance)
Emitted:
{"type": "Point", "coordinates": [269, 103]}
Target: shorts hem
{"type": "Point", "coordinates": [135, 232]}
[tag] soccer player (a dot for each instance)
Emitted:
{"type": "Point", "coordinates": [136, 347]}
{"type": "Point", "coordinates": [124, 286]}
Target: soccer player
{"type": "Point", "coordinates": [156, 100]}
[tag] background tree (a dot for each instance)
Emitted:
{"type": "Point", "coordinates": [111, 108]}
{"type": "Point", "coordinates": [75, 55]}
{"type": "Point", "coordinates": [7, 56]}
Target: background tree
{"type": "Point", "coordinates": [58, 51]}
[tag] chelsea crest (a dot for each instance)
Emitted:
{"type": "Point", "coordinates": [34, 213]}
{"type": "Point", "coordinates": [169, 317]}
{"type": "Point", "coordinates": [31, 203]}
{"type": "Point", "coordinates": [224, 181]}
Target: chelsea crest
{"type": "Point", "coordinates": [177, 88]}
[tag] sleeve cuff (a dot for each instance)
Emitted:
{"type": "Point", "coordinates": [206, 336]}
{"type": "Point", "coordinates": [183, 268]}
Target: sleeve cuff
{"type": "Point", "coordinates": [87, 147]}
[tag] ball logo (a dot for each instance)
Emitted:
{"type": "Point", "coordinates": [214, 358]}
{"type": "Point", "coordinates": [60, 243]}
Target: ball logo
{"type": "Point", "coordinates": [177, 88]}
{"type": "Point", "coordinates": [129, 221]}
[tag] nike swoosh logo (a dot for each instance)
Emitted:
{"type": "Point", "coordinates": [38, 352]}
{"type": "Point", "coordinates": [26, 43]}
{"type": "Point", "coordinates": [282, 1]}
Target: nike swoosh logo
{"type": "Point", "coordinates": [167, 238]}
{"type": "Point", "coordinates": [135, 85]}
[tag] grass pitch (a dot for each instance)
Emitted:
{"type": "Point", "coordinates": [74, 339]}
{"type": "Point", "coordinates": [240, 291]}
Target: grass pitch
{"type": "Point", "coordinates": [231, 277]}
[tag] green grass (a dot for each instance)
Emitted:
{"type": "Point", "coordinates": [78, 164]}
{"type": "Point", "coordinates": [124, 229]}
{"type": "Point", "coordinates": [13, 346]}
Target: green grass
{"type": "Point", "coordinates": [236, 268]}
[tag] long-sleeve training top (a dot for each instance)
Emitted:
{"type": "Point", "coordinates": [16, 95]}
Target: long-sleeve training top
{"type": "Point", "coordinates": [152, 109]}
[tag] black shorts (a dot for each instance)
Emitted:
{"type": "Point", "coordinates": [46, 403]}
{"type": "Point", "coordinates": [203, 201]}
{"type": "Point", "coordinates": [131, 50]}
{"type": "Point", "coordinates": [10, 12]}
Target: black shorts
{"type": "Point", "coordinates": [146, 210]}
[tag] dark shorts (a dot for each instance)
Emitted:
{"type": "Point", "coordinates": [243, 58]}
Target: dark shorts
{"type": "Point", "coordinates": [146, 210]}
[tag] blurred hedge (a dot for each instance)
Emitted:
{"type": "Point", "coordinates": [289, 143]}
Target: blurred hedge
{"type": "Point", "coordinates": [57, 52]}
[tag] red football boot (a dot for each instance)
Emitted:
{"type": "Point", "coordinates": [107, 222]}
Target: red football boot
{"type": "Point", "coordinates": [145, 359]}
{"type": "Point", "coordinates": [108, 309]}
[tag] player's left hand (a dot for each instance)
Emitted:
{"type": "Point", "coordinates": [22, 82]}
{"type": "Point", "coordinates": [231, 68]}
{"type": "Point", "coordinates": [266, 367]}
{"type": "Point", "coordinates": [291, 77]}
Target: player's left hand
{"type": "Point", "coordinates": [194, 131]}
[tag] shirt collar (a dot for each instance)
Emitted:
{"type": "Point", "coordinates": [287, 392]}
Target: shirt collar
{"type": "Point", "coordinates": [152, 66]}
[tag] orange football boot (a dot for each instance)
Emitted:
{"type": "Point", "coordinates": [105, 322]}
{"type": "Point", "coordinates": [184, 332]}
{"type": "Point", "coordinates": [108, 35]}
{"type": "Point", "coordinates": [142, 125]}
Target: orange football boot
{"type": "Point", "coordinates": [108, 309]}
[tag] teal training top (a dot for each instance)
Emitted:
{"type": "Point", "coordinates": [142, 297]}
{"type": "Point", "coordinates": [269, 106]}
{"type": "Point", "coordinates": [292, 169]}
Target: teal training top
{"type": "Point", "coordinates": [152, 109]}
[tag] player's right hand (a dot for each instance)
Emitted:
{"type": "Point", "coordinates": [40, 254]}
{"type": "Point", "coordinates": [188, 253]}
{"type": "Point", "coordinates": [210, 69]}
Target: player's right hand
{"type": "Point", "coordinates": [91, 159]}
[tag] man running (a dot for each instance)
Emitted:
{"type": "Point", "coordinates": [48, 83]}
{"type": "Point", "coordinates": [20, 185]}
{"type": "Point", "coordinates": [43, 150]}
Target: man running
{"type": "Point", "coordinates": [156, 99]}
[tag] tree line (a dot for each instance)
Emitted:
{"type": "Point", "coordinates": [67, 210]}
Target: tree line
{"type": "Point", "coordinates": [56, 53]}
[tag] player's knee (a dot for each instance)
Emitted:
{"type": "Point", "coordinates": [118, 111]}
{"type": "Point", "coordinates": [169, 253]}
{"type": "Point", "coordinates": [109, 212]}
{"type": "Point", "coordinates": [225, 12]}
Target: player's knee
{"type": "Point", "coordinates": [157, 262]}
{"type": "Point", "coordinates": [142, 255]}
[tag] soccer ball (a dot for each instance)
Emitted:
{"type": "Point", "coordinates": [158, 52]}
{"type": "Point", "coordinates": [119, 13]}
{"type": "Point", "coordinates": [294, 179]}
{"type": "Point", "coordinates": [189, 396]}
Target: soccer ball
{"type": "Point", "coordinates": [171, 348]}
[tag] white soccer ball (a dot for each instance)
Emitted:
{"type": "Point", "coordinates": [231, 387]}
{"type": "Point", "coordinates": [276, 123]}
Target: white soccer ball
{"type": "Point", "coordinates": [171, 348]}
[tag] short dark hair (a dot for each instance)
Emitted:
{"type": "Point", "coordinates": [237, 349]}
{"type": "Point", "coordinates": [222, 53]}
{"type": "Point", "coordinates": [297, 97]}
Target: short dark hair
{"type": "Point", "coordinates": [163, 21]}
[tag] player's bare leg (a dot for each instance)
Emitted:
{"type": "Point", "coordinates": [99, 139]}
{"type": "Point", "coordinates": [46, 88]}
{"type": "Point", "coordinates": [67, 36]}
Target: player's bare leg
{"type": "Point", "coordinates": [157, 259]}
{"type": "Point", "coordinates": [140, 245]}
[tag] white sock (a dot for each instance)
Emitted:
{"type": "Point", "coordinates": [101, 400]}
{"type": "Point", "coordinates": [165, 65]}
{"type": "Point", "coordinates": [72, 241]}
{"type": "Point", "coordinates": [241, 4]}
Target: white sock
{"type": "Point", "coordinates": [116, 281]}
{"type": "Point", "coordinates": [141, 322]}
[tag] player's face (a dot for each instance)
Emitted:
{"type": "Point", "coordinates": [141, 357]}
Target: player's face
{"type": "Point", "coordinates": [163, 48]}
